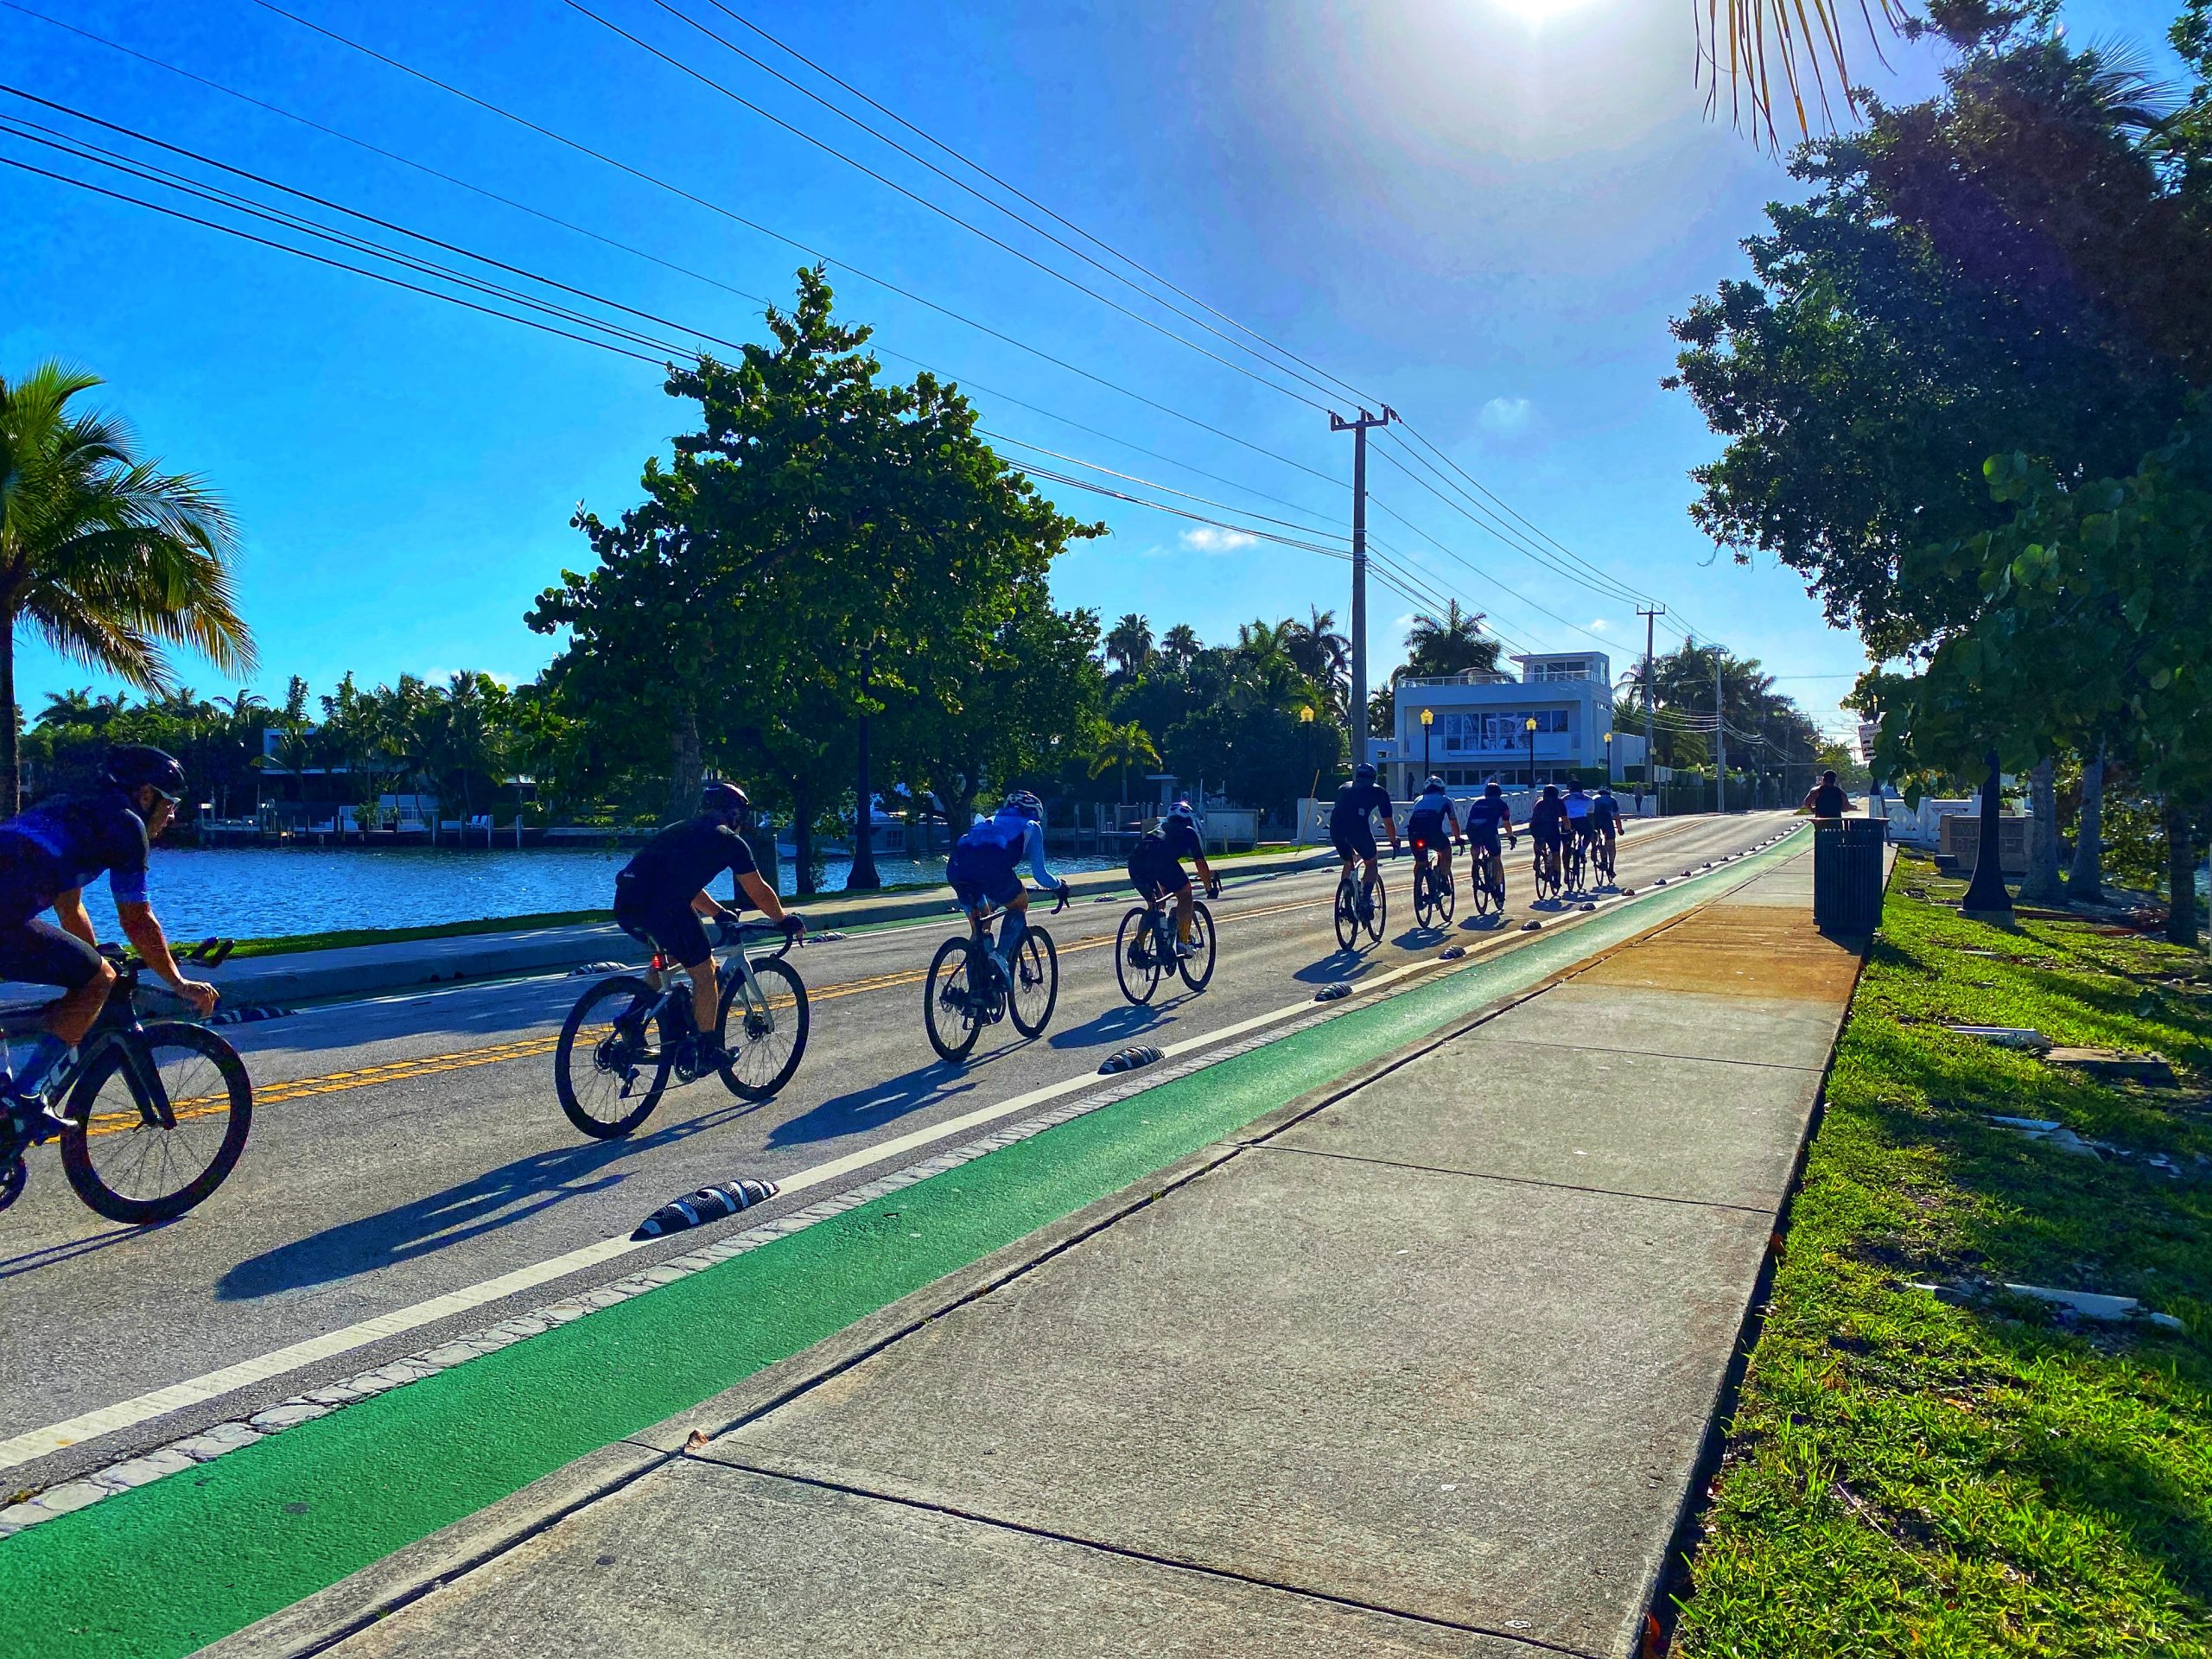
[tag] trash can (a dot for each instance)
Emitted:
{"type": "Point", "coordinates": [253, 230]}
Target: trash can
{"type": "Point", "coordinates": [1847, 874]}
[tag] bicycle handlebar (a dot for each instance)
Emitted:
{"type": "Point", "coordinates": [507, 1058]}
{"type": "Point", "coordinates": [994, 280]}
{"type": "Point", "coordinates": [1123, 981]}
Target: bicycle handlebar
{"type": "Point", "coordinates": [208, 953]}
{"type": "Point", "coordinates": [736, 936]}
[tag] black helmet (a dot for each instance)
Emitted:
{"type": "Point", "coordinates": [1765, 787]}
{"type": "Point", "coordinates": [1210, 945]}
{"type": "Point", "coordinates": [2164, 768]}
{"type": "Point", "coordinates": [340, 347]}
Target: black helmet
{"type": "Point", "coordinates": [1362, 773]}
{"type": "Point", "coordinates": [1433, 786]}
{"type": "Point", "coordinates": [725, 800]}
{"type": "Point", "coordinates": [1181, 812]}
{"type": "Point", "coordinates": [1491, 788]}
{"type": "Point", "coordinates": [1025, 802]}
{"type": "Point", "coordinates": [130, 765]}
{"type": "Point", "coordinates": [1551, 791]}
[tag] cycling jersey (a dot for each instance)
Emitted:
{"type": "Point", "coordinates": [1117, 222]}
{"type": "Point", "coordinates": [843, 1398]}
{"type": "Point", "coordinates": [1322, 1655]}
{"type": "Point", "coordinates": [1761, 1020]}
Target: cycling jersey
{"type": "Point", "coordinates": [1352, 829]}
{"type": "Point", "coordinates": [653, 892]}
{"type": "Point", "coordinates": [1577, 808]}
{"type": "Point", "coordinates": [1426, 821]}
{"type": "Point", "coordinates": [1485, 817]}
{"type": "Point", "coordinates": [63, 843]}
{"type": "Point", "coordinates": [985, 862]}
{"type": "Point", "coordinates": [1605, 813]}
{"type": "Point", "coordinates": [1548, 820]}
{"type": "Point", "coordinates": [1156, 862]}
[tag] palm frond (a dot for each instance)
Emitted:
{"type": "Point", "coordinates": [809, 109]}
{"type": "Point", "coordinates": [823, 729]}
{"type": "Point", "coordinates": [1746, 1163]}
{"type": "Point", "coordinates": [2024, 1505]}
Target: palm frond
{"type": "Point", "coordinates": [1753, 43]}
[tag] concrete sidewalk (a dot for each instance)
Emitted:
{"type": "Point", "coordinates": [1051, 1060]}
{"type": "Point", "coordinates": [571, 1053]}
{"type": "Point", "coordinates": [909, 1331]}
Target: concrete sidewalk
{"type": "Point", "coordinates": [1424, 1366]}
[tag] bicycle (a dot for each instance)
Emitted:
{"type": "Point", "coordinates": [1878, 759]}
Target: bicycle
{"type": "Point", "coordinates": [629, 1033]}
{"type": "Point", "coordinates": [1487, 880]}
{"type": "Point", "coordinates": [1548, 870]}
{"type": "Point", "coordinates": [1602, 856]}
{"type": "Point", "coordinates": [1578, 866]}
{"type": "Point", "coordinates": [1145, 953]}
{"type": "Point", "coordinates": [1349, 924]}
{"type": "Point", "coordinates": [1434, 897]}
{"type": "Point", "coordinates": [967, 989]}
{"type": "Point", "coordinates": [158, 1110]}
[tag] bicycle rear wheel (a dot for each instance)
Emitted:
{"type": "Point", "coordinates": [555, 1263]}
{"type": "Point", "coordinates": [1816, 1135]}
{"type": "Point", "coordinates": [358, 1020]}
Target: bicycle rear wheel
{"type": "Point", "coordinates": [1375, 924]}
{"type": "Point", "coordinates": [951, 1009]}
{"type": "Point", "coordinates": [1443, 895]}
{"type": "Point", "coordinates": [1036, 981]}
{"type": "Point", "coordinates": [611, 1062]}
{"type": "Point", "coordinates": [768, 1039]}
{"type": "Point", "coordinates": [1136, 959]}
{"type": "Point", "coordinates": [136, 1159]}
{"type": "Point", "coordinates": [1347, 912]}
{"type": "Point", "coordinates": [1197, 969]}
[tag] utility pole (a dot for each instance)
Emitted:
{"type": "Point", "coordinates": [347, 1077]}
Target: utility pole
{"type": "Point", "coordinates": [1720, 739]}
{"type": "Point", "coordinates": [1650, 671]}
{"type": "Point", "coordinates": [1358, 429]}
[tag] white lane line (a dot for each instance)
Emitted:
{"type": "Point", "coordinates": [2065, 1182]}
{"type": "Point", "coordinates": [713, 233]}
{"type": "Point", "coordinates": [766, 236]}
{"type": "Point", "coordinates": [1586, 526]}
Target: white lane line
{"type": "Point", "coordinates": [127, 1414]}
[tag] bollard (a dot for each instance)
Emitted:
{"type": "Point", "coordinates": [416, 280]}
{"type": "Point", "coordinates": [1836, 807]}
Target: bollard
{"type": "Point", "coordinates": [708, 1204]}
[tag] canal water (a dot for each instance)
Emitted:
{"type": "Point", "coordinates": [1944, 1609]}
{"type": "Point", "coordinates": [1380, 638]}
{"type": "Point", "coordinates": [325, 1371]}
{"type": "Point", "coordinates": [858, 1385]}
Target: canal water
{"type": "Point", "coordinates": [257, 892]}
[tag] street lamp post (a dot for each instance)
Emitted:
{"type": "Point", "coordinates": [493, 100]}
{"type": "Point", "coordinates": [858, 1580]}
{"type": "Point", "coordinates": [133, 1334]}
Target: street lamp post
{"type": "Point", "coordinates": [862, 878]}
{"type": "Point", "coordinates": [1428, 719]}
{"type": "Point", "coordinates": [1532, 752]}
{"type": "Point", "coordinates": [1609, 758]}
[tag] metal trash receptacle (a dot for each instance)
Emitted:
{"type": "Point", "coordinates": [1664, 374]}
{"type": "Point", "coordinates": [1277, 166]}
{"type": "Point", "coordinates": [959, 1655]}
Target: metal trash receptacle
{"type": "Point", "coordinates": [1847, 874]}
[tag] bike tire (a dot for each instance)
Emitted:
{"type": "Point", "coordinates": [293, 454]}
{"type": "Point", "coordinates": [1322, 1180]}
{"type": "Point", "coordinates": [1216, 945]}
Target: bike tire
{"type": "Point", "coordinates": [1196, 977]}
{"type": "Point", "coordinates": [1445, 896]}
{"type": "Point", "coordinates": [1036, 963]}
{"type": "Point", "coordinates": [1136, 964]}
{"type": "Point", "coordinates": [601, 1061]}
{"type": "Point", "coordinates": [1347, 914]}
{"type": "Point", "coordinates": [1421, 891]}
{"type": "Point", "coordinates": [196, 1099]}
{"type": "Point", "coordinates": [1376, 924]}
{"type": "Point", "coordinates": [744, 1083]}
{"type": "Point", "coordinates": [952, 1030]}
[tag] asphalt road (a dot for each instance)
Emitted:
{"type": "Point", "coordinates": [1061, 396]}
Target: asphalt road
{"type": "Point", "coordinates": [406, 1147]}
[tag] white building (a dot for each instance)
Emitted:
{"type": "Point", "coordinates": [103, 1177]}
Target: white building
{"type": "Point", "coordinates": [1473, 726]}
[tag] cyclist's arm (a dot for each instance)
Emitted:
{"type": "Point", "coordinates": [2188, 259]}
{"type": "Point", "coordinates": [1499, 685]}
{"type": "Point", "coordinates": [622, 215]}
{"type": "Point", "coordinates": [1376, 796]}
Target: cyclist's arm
{"type": "Point", "coordinates": [756, 888]}
{"type": "Point", "coordinates": [145, 934]}
{"type": "Point", "coordinates": [69, 910]}
{"type": "Point", "coordinates": [1033, 841]}
{"type": "Point", "coordinates": [1390, 823]}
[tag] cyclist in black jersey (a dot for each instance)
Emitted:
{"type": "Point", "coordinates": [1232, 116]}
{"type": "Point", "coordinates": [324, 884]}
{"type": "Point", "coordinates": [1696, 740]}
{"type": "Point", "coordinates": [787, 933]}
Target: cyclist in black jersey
{"type": "Point", "coordinates": [1352, 829]}
{"type": "Point", "coordinates": [47, 854]}
{"type": "Point", "coordinates": [1605, 822]}
{"type": "Point", "coordinates": [661, 894]}
{"type": "Point", "coordinates": [1156, 866]}
{"type": "Point", "coordinates": [1547, 828]}
{"type": "Point", "coordinates": [1487, 816]}
{"type": "Point", "coordinates": [1431, 821]}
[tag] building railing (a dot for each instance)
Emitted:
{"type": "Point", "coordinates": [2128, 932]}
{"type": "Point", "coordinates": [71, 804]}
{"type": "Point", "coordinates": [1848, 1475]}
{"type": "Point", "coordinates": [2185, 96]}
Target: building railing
{"type": "Point", "coordinates": [1464, 677]}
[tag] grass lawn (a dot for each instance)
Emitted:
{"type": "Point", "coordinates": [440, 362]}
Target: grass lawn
{"type": "Point", "coordinates": [282, 944]}
{"type": "Point", "coordinates": [1968, 1472]}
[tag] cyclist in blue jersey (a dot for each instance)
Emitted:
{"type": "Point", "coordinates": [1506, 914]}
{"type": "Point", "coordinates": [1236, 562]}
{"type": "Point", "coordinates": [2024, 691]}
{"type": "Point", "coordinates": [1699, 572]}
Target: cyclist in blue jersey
{"type": "Point", "coordinates": [1431, 821]}
{"type": "Point", "coordinates": [1352, 829]}
{"type": "Point", "coordinates": [1486, 818]}
{"type": "Point", "coordinates": [1577, 808]}
{"type": "Point", "coordinates": [1156, 866]}
{"type": "Point", "coordinates": [1547, 828]}
{"type": "Point", "coordinates": [47, 856]}
{"type": "Point", "coordinates": [985, 870]}
{"type": "Point", "coordinates": [1605, 823]}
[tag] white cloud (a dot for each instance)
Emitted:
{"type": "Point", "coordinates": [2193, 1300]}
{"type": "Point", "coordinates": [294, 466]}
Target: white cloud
{"type": "Point", "coordinates": [1505, 417]}
{"type": "Point", "coordinates": [1207, 539]}
{"type": "Point", "coordinates": [1599, 625]}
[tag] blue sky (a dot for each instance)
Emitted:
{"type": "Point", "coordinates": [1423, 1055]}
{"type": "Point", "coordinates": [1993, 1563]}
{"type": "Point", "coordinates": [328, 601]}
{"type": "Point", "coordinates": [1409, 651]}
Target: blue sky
{"type": "Point", "coordinates": [1482, 211]}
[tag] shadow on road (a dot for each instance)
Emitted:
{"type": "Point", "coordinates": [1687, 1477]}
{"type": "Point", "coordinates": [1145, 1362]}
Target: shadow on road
{"type": "Point", "coordinates": [46, 1256]}
{"type": "Point", "coordinates": [1338, 964]}
{"type": "Point", "coordinates": [859, 1110]}
{"type": "Point", "coordinates": [1116, 1024]}
{"type": "Point", "coordinates": [498, 1197]}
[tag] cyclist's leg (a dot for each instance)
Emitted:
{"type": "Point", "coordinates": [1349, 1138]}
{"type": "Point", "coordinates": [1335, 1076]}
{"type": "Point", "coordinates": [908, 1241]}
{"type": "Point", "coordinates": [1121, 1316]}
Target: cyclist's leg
{"type": "Point", "coordinates": [38, 953]}
{"type": "Point", "coordinates": [1185, 907]}
{"type": "Point", "coordinates": [1015, 898]}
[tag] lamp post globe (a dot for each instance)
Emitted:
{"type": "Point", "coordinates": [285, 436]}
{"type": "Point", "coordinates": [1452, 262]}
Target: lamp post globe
{"type": "Point", "coordinates": [1531, 729]}
{"type": "Point", "coordinates": [1428, 719]}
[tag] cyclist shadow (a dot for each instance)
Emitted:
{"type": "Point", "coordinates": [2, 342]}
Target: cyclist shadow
{"type": "Point", "coordinates": [1339, 964]}
{"type": "Point", "coordinates": [498, 1198]}
{"type": "Point", "coordinates": [13, 1266]}
{"type": "Point", "coordinates": [858, 1110]}
{"type": "Point", "coordinates": [1116, 1023]}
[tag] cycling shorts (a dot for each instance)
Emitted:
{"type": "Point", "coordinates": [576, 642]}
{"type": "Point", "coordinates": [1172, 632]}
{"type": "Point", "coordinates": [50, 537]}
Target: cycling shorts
{"type": "Point", "coordinates": [668, 926]}
{"type": "Point", "coordinates": [38, 953]}
{"type": "Point", "coordinates": [1356, 841]}
{"type": "Point", "coordinates": [1551, 837]}
{"type": "Point", "coordinates": [1429, 827]}
{"type": "Point", "coordinates": [979, 877]}
{"type": "Point", "coordinates": [1484, 838]}
{"type": "Point", "coordinates": [1156, 876]}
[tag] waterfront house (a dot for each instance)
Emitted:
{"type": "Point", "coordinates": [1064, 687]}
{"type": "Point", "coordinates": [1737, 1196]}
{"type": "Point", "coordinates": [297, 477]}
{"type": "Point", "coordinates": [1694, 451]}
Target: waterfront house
{"type": "Point", "coordinates": [1477, 726]}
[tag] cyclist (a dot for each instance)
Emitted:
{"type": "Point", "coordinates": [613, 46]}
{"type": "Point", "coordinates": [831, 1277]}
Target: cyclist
{"type": "Point", "coordinates": [1156, 866]}
{"type": "Point", "coordinates": [1547, 828]}
{"type": "Point", "coordinates": [985, 870]}
{"type": "Point", "coordinates": [661, 894]}
{"type": "Point", "coordinates": [1826, 799]}
{"type": "Point", "coordinates": [1431, 821]}
{"type": "Point", "coordinates": [1605, 823]}
{"type": "Point", "coordinates": [1577, 806]}
{"type": "Point", "coordinates": [46, 855]}
{"type": "Point", "coordinates": [1352, 829]}
{"type": "Point", "coordinates": [1485, 818]}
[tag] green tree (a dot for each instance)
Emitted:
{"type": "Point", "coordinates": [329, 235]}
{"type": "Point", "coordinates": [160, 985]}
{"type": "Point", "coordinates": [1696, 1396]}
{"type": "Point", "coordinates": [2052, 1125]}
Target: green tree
{"type": "Point", "coordinates": [1449, 643]}
{"type": "Point", "coordinates": [103, 556]}
{"type": "Point", "coordinates": [1128, 645]}
{"type": "Point", "coordinates": [1120, 747]}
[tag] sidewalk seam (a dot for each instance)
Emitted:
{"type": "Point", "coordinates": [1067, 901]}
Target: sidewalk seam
{"type": "Point", "coordinates": [1697, 1060]}
{"type": "Point", "coordinates": [1516, 1180]}
{"type": "Point", "coordinates": [1126, 1554]}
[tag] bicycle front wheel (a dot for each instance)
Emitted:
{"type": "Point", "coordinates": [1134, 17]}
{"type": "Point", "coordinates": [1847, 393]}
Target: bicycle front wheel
{"type": "Point", "coordinates": [134, 1158]}
{"type": "Point", "coordinates": [1443, 893]}
{"type": "Point", "coordinates": [1424, 886]}
{"type": "Point", "coordinates": [1376, 924]}
{"type": "Point", "coordinates": [611, 1062]}
{"type": "Point", "coordinates": [1347, 912]}
{"type": "Point", "coordinates": [1136, 962]}
{"type": "Point", "coordinates": [951, 1007]}
{"type": "Point", "coordinates": [1197, 969]}
{"type": "Point", "coordinates": [1036, 982]}
{"type": "Point", "coordinates": [764, 1037]}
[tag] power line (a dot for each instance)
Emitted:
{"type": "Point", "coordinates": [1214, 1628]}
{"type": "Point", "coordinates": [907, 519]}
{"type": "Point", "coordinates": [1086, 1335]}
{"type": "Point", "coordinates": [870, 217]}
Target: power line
{"type": "Point", "coordinates": [1383, 506]}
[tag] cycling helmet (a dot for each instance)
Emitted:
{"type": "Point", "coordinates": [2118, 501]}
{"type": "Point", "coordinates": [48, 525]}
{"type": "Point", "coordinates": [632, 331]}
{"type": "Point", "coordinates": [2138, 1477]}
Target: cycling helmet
{"type": "Point", "coordinates": [1491, 789]}
{"type": "Point", "coordinates": [1551, 791]}
{"type": "Point", "coordinates": [1605, 790]}
{"type": "Point", "coordinates": [1433, 786]}
{"type": "Point", "coordinates": [1362, 773]}
{"type": "Point", "coordinates": [1182, 812]}
{"type": "Point", "coordinates": [723, 800]}
{"type": "Point", "coordinates": [132, 765]}
{"type": "Point", "coordinates": [1025, 802]}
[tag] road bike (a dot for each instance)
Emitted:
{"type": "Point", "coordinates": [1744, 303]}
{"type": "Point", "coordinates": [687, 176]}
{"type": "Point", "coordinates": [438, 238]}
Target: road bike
{"type": "Point", "coordinates": [1350, 925]}
{"type": "Point", "coordinates": [1576, 853]}
{"type": "Point", "coordinates": [1145, 953]}
{"type": "Point", "coordinates": [1602, 850]}
{"type": "Point", "coordinates": [629, 1033]}
{"type": "Point", "coordinates": [968, 988]}
{"type": "Point", "coordinates": [1548, 854]}
{"type": "Point", "coordinates": [1486, 879]}
{"type": "Point", "coordinates": [158, 1110]}
{"type": "Point", "coordinates": [1434, 894]}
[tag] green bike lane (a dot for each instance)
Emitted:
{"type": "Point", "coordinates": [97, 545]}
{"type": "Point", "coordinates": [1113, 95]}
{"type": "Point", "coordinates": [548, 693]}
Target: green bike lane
{"type": "Point", "coordinates": [167, 1568]}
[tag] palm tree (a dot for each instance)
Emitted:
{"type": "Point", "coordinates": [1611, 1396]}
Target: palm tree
{"type": "Point", "coordinates": [1322, 654]}
{"type": "Point", "coordinates": [1772, 45]}
{"type": "Point", "coordinates": [103, 556]}
{"type": "Point", "coordinates": [1130, 644]}
{"type": "Point", "coordinates": [68, 708]}
{"type": "Point", "coordinates": [1181, 645]}
{"type": "Point", "coordinates": [1124, 745]}
{"type": "Point", "coordinates": [1449, 643]}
